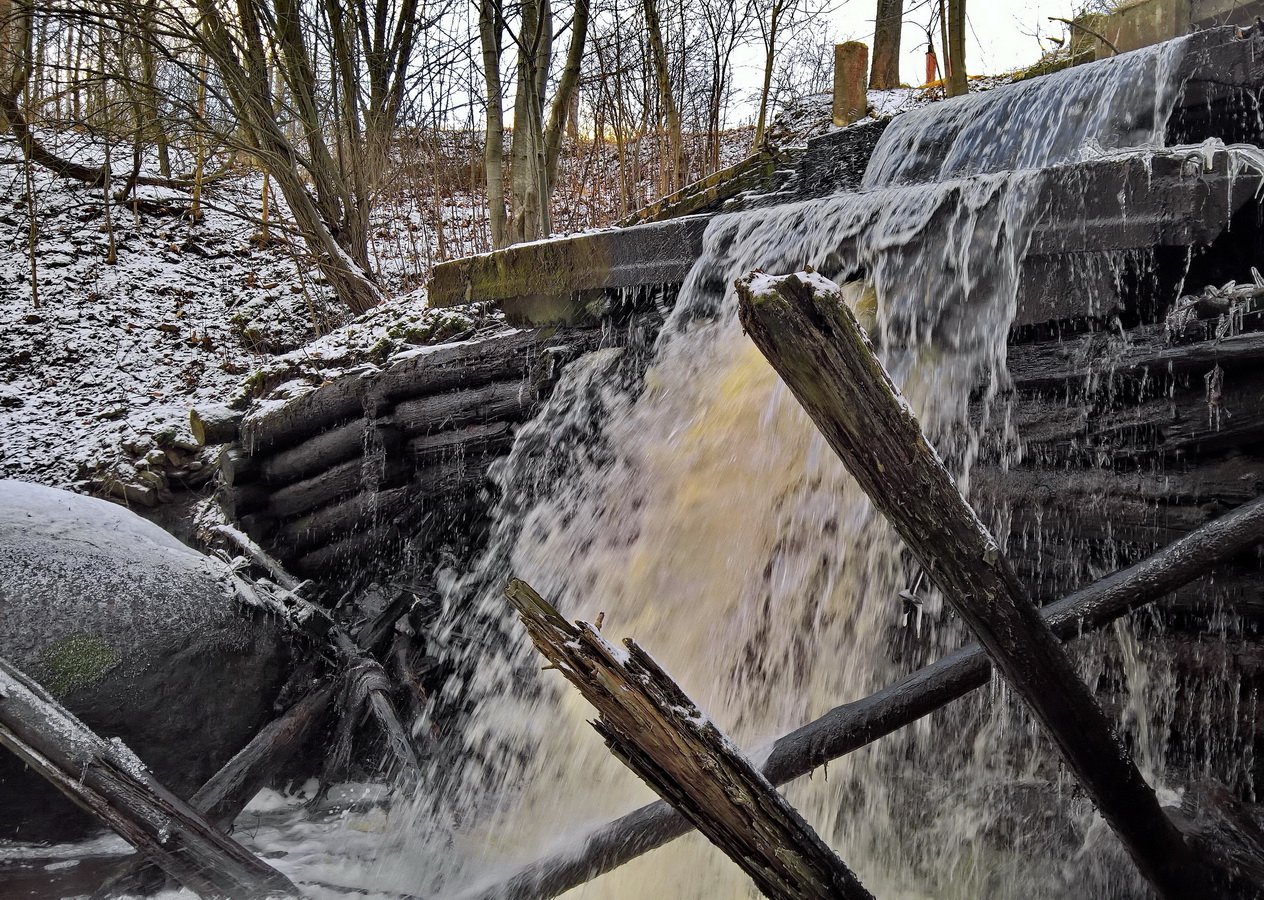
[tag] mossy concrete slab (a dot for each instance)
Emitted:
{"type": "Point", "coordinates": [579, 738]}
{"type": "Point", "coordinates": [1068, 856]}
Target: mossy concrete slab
{"type": "Point", "coordinates": [556, 281]}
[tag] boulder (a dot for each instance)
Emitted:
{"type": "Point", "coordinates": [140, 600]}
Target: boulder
{"type": "Point", "coordinates": [135, 633]}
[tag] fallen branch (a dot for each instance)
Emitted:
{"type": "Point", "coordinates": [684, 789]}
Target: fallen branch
{"type": "Point", "coordinates": [810, 336]}
{"type": "Point", "coordinates": [36, 152]}
{"type": "Point", "coordinates": [655, 729]}
{"type": "Point", "coordinates": [228, 791]}
{"type": "Point", "coordinates": [109, 781]}
{"type": "Point", "coordinates": [367, 682]}
{"type": "Point", "coordinates": [854, 725]}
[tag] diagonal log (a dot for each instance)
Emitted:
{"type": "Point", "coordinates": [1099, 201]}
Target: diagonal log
{"type": "Point", "coordinates": [228, 791]}
{"type": "Point", "coordinates": [853, 725]}
{"type": "Point", "coordinates": [109, 781]}
{"type": "Point", "coordinates": [811, 338]}
{"type": "Point", "coordinates": [655, 729]}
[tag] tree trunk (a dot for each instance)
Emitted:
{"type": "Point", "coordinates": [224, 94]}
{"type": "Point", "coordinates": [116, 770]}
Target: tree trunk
{"type": "Point", "coordinates": [565, 104]}
{"type": "Point", "coordinates": [888, 22]}
{"type": "Point", "coordinates": [812, 340]}
{"type": "Point", "coordinates": [529, 209]}
{"type": "Point", "coordinates": [490, 34]}
{"type": "Point", "coordinates": [673, 176]}
{"type": "Point", "coordinates": [956, 47]}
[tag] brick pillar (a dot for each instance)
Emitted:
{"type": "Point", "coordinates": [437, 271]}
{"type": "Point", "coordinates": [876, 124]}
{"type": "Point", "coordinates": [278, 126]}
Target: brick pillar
{"type": "Point", "coordinates": [851, 82]}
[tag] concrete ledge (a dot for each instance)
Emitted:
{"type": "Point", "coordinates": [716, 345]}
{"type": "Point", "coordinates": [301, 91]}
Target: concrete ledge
{"type": "Point", "coordinates": [555, 281]}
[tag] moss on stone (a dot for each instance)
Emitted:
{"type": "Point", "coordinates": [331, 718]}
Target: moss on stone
{"type": "Point", "coordinates": [76, 661]}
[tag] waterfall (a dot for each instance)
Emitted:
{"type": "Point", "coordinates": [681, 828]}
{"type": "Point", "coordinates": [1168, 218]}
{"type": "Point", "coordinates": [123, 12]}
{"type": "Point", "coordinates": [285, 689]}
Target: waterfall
{"type": "Point", "coordinates": [687, 497]}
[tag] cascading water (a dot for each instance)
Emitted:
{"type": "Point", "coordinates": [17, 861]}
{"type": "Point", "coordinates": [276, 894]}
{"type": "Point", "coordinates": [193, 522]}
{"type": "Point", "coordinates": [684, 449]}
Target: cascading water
{"type": "Point", "coordinates": [694, 504]}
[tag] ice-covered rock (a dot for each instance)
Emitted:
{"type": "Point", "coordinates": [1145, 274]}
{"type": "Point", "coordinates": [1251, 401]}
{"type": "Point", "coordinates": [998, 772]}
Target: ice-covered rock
{"type": "Point", "coordinates": [132, 631]}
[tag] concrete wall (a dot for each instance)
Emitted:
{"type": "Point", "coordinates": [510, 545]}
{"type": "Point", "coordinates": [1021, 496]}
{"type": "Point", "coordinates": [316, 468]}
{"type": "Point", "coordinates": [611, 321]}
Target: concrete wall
{"type": "Point", "coordinates": [1140, 23]}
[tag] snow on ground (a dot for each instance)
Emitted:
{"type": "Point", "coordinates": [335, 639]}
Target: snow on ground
{"type": "Point", "coordinates": [101, 363]}
{"type": "Point", "coordinates": [100, 377]}
{"type": "Point", "coordinates": [96, 382]}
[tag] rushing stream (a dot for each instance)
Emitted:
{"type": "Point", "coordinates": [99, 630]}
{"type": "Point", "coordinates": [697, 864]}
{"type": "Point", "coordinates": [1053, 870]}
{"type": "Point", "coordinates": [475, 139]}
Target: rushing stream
{"type": "Point", "coordinates": [699, 509]}
{"type": "Point", "coordinates": [684, 494]}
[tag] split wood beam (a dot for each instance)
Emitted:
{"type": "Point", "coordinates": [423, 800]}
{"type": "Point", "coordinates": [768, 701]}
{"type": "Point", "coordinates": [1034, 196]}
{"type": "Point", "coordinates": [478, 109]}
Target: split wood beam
{"type": "Point", "coordinates": [109, 781]}
{"type": "Point", "coordinates": [854, 725]}
{"type": "Point", "coordinates": [655, 729]}
{"type": "Point", "coordinates": [803, 327]}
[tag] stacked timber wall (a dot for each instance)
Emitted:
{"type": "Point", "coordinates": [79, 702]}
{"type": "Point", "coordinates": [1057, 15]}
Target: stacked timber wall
{"type": "Point", "coordinates": [352, 470]}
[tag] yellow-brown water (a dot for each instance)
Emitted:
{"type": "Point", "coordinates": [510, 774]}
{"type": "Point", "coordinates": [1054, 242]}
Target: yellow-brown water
{"type": "Point", "coordinates": [697, 507]}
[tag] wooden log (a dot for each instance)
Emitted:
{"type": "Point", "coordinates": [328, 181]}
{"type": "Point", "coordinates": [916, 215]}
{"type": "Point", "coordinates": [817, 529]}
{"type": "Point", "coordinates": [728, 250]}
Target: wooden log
{"type": "Point", "coordinates": [363, 511]}
{"type": "Point", "coordinates": [236, 466]}
{"type": "Point", "coordinates": [502, 401]}
{"type": "Point", "coordinates": [1073, 363]}
{"type": "Point", "coordinates": [505, 356]}
{"type": "Point", "coordinates": [1181, 423]}
{"type": "Point", "coordinates": [215, 424]}
{"type": "Point", "coordinates": [854, 725]}
{"type": "Point", "coordinates": [1148, 508]}
{"type": "Point", "coordinates": [437, 488]}
{"type": "Point", "coordinates": [806, 331]}
{"type": "Point", "coordinates": [329, 448]}
{"type": "Point", "coordinates": [650, 724]}
{"type": "Point", "coordinates": [367, 679]}
{"type": "Point", "coordinates": [226, 794]}
{"type": "Point", "coordinates": [345, 554]}
{"type": "Point", "coordinates": [285, 424]}
{"type": "Point", "coordinates": [343, 480]}
{"type": "Point", "coordinates": [1219, 826]}
{"type": "Point", "coordinates": [109, 781]}
{"type": "Point", "coordinates": [241, 499]}
{"type": "Point", "coordinates": [260, 526]}
{"type": "Point", "coordinates": [474, 440]}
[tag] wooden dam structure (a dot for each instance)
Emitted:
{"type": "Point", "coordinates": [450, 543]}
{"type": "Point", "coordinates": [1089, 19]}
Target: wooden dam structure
{"type": "Point", "coordinates": [1134, 370]}
{"type": "Point", "coordinates": [1114, 403]}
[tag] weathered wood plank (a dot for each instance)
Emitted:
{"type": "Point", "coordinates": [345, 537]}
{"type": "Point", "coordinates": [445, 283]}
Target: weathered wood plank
{"type": "Point", "coordinates": [811, 338]}
{"type": "Point", "coordinates": [657, 731]}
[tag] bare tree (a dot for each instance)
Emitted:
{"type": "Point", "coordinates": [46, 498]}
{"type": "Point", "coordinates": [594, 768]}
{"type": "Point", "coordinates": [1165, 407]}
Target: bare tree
{"type": "Point", "coordinates": [885, 71]}
{"type": "Point", "coordinates": [537, 138]}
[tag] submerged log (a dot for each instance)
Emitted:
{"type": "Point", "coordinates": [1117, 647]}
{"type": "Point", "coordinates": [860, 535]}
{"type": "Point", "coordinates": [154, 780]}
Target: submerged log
{"type": "Point", "coordinates": [806, 331]}
{"type": "Point", "coordinates": [659, 733]}
{"type": "Point", "coordinates": [109, 781]}
{"type": "Point", "coordinates": [853, 725]}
